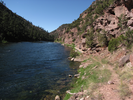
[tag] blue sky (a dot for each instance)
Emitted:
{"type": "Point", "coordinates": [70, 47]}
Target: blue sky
{"type": "Point", "coordinates": [48, 14]}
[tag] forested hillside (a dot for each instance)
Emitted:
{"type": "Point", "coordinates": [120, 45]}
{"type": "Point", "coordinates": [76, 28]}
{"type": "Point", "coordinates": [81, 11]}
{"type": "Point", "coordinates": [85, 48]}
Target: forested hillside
{"type": "Point", "coordinates": [14, 28]}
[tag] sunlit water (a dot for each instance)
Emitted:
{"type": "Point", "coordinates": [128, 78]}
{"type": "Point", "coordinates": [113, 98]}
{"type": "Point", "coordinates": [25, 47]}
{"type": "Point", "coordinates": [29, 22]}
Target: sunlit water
{"type": "Point", "coordinates": [34, 70]}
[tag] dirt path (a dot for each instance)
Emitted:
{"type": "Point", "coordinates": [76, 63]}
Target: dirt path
{"type": "Point", "coordinates": [110, 90]}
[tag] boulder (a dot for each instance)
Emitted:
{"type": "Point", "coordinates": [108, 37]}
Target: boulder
{"type": "Point", "coordinates": [119, 10]}
{"type": "Point", "coordinates": [83, 40]}
{"type": "Point", "coordinates": [57, 98]}
{"type": "Point", "coordinates": [76, 75]}
{"type": "Point", "coordinates": [74, 30]}
{"type": "Point", "coordinates": [124, 60]}
{"type": "Point", "coordinates": [130, 22]}
{"type": "Point", "coordinates": [70, 75]}
{"type": "Point", "coordinates": [76, 96]}
{"type": "Point", "coordinates": [72, 59]}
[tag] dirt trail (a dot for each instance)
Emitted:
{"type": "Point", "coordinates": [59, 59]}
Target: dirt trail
{"type": "Point", "coordinates": [110, 90]}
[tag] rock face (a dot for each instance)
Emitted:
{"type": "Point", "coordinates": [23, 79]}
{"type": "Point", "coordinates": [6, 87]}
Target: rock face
{"type": "Point", "coordinates": [124, 60]}
{"type": "Point", "coordinates": [107, 24]}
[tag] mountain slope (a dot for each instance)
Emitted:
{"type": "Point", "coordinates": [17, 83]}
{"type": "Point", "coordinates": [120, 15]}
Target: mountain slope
{"type": "Point", "coordinates": [15, 28]}
{"type": "Point", "coordinates": [105, 23]}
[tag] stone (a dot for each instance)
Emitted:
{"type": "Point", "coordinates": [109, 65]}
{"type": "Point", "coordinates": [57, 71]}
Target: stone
{"type": "Point", "coordinates": [95, 67]}
{"type": "Point", "coordinates": [57, 98]}
{"type": "Point", "coordinates": [119, 10]}
{"type": "Point", "coordinates": [124, 60]}
{"type": "Point", "coordinates": [131, 58]}
{"type": "Point", "coordinates": [72, 59]}
{"type": "Point", "coordinates": [110, 82]}
{"type": "Point", "coordinates": [76, 96]}
{"type": "Point", "coordinates": [84, 49]}
{"type": "Point", "coordinates": [87, 98]}
{"type": "Point", "coordinates": [130, 22]}
{"type": "Point", "coordinates": [80, 66]}
{"type": "Point", "coordinates": [74, 30]}
{"type": "Point", "coordinates": [70, 75]}
{"type": "Point", "coordinates": [129, 65]}
{"type": "Point", "coordinates": [76, 75]}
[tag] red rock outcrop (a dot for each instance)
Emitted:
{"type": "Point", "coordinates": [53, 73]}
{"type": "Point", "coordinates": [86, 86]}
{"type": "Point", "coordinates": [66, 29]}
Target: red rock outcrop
{"type": "Point", "coordinates": [108, 22]}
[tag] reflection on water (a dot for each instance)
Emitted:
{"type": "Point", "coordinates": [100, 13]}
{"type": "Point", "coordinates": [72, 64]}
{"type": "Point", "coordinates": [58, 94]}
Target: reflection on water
{"type": "Point", "coordinates": [34, 71]}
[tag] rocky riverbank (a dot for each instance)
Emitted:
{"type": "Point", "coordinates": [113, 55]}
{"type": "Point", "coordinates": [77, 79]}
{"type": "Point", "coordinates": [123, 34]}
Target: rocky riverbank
{"type": "Point", "coordinates": [101, 77]}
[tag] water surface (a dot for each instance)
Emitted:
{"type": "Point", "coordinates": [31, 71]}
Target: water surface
{"type": "Point", "coordinates": [34, 70]}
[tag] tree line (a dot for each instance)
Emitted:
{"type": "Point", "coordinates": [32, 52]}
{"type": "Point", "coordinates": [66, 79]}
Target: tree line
{"type": "Point", "coordinates": [14, 28]}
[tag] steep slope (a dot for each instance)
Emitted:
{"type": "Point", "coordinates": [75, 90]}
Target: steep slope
{"type": "Point", "coordinates": [106, 26]}
{"type": "Point", "coordinates": [15, 28]}
{"type": "Point", "coordinates": [104, 23]}
{"type": "Point", "coordinates": [59, 31]}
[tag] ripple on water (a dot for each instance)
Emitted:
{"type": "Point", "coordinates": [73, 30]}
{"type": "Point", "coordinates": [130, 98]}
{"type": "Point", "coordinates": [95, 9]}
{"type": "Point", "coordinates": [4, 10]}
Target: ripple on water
{"type": "Point", "coordinates": [34, 70]}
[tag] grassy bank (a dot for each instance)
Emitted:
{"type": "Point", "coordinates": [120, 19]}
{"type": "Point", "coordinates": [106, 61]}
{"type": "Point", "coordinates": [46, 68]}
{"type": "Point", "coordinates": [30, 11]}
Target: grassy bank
{"type": "Point", "coordinates": [90, 76]}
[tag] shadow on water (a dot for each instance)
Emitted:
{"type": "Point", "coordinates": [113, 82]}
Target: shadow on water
{"type": "Point", "coordinates": [34, 70]}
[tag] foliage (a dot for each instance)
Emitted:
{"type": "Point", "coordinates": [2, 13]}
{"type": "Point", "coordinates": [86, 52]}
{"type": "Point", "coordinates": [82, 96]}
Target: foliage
{"type": "Point", "coordinates": [129, 38]}
{"type": "Point", "coordinates": [113, 44]}
{"type": "Point", "coordinates": [71, 45]}
{"type": "Point", "coordinates": [74, 40]}
{"type": "Point", "coordinates": [4, 41]}
{"type": "Point", "coordinates": [126, 40]}
{"type": "Point", "coordinates": [75, 23]}
{"type": "Point", "coordinates": [122, 22]}
{"type": "Point", "coordinates": [89, 39]}
{"type": "Point", "coordinates": [72, 33]}
{"type": "Point", "coordinates": [102, 39]}
{"type": "Point", "coordinates": [96, 76]}
{"type": "Point", "coordinates": [73, 54]}
{"type": "Point", "coordinates": [15, 28]}
{"type": "Point", "coordinates": [124, 90]}
{"type": "Point", "coordinates": [67, 30]}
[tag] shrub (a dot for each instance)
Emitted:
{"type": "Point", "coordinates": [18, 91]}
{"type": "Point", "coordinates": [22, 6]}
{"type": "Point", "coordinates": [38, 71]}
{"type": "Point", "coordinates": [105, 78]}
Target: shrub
{"type": "Point", "coordinates": [68, 29]}
{"type": "Point", "coordinates": [89, 39]}
{"type": "Point", "coordinates": [113, 44]}
{"type": "Point", "coordinates": [73, 54]}
{"type": "Point", "coordinates": [122, 22]}
{"type": "Point", "coordinates": [72, 33]}
{"type": "Point", "coordinates": [74, 40]}
{"type": "Point", "coordinates": [129, 38]}
{"type": "Point", "coordinates": [102, 39]}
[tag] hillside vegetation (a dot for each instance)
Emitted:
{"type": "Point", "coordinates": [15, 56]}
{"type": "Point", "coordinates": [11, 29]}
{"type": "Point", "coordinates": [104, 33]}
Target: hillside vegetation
{"type": "Point", "coordinates": [14, 28]}
{"type": "Point", "coordinates": [106, 23]}
{"type": "Point", "coordinates": [104, 35]}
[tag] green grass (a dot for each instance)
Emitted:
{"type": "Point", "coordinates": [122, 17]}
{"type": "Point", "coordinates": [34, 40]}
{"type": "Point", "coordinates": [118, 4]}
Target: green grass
{"type": "Point", "coordinates": [4, 41]}
{"type": "Point", "coordinates": [92, 76]}
{"type": "Point", "coordinates": [104, 61]}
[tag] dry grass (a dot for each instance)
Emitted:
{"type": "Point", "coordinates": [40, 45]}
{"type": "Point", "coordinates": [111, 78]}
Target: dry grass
{"type": "Point", "coordinates": [124, 90]}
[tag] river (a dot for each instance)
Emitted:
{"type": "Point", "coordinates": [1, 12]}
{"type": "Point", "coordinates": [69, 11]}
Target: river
{"type": "Point", "coordinates": [34, 70]}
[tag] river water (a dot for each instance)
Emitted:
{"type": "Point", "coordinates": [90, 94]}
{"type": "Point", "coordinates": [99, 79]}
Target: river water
{"type": "Point", "coordinates": [34, 70]}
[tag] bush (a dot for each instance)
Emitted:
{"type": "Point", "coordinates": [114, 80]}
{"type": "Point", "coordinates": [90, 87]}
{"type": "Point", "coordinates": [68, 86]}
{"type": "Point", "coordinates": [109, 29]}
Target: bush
{"type": "Point", "coordinates": [102, 39]}
{"type": "Point", "coordinates": [129, 38]}
{"type": "Point", "coordinates": [74, 40]}
{"type": "Point", "coordinates": [73, 54]}
{"type": "Point", "coordinates": [89, 39]}
{"type": "Point", "coordinates": [113, 44]}
{"type": "Point", "coordinates": [72, 33]}
{"type": "Point", "coordinates": [122, 22]}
